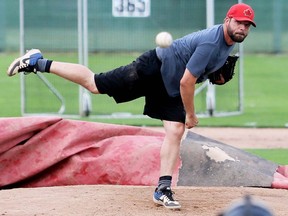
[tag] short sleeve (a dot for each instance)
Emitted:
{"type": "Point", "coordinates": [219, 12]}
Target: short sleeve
{"type": "Point", "coordinates": [200, 59]}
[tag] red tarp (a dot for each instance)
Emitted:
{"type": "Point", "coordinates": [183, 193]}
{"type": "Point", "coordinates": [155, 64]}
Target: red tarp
{"type": "Point", "coordinates": [51, 151]}
{"type": "Point", "coordinates": [281, 178]}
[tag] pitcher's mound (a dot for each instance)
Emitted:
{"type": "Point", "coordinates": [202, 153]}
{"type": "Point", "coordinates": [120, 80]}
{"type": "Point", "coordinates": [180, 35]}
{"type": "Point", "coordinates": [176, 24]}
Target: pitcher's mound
{"type": "Point", "coordinates": [129, 200]}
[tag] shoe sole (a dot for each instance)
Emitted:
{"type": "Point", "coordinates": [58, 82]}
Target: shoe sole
{"type": "Point", "coordinates": [16, 63]}
{"type": "Point", "coordinates": [12, 68]}
{"type": "Point", "coordinates": [160, 203]}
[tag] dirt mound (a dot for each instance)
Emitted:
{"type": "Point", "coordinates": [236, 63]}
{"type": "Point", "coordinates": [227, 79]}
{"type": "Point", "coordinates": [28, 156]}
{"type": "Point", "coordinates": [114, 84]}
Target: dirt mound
{"type": "Point", "coordinates": [129, 200]}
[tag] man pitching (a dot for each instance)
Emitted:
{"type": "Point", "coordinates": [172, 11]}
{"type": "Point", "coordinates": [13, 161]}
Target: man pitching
{"type": "Point", "coordinates": [166, 77]}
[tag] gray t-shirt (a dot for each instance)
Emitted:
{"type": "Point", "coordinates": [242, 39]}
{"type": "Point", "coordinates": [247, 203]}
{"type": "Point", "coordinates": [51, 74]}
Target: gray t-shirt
{"type": "Point", "coordinates": [201, 52]}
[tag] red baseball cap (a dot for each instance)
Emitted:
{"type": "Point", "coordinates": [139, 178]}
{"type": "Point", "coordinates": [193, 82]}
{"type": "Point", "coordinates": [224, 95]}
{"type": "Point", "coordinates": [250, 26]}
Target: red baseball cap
{"type": "Point", "coordinates": [241, 12]}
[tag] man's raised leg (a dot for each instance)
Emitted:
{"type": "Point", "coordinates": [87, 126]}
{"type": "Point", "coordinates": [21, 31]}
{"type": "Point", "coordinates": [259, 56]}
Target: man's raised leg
{"type": "Point", "coordinates": [33, 61]}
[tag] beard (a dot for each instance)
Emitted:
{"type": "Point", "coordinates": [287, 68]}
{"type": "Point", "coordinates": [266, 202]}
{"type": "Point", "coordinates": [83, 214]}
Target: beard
{"type": "Point", "coordinates": [236, 37]}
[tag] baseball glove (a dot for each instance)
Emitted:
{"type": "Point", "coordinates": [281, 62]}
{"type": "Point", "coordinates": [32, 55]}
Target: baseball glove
{"type": "Point", "coordinates": [226, 71]}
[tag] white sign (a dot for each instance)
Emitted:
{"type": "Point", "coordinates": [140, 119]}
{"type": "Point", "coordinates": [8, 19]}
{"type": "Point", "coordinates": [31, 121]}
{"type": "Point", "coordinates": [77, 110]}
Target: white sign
{"type": "Point", "coordinates": [131, 8]}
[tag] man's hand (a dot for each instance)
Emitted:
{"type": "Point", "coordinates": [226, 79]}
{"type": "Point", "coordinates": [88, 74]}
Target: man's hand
{"type": "Point", "coordinates": [191, 121]}
{"type": "Point", "coordinates": [220, 81]}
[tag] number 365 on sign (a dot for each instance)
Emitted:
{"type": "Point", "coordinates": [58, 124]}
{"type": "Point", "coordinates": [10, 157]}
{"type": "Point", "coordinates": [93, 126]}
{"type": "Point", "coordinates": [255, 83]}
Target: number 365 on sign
{"type": "Point", "coordinates": [131, 8]}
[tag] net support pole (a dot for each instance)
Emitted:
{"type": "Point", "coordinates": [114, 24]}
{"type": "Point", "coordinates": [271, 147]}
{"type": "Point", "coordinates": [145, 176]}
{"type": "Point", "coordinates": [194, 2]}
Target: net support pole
{"type": "Point", "coordinates": [210, 94]}
{"type": "Point", "coordinates": [21, 42]}
{"type": "Point", "coordinates": [85, 104]}
{"type": "Point", "coordinates": [241, 75]}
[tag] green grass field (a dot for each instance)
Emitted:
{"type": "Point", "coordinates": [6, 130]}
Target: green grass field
{"type": "Point", "coordinates": [278, 156]}
{"type": "Point", "coordinates": [265, 95]}
{"type": "Point", "coordinates": [265, 92]}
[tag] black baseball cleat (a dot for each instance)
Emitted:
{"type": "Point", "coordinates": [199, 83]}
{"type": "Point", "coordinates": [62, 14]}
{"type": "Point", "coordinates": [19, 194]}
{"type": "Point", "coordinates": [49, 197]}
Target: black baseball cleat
{"type": "Point", "coordinates": [164, 196]}
{"type": "Point", "coordinates": [25, 63]}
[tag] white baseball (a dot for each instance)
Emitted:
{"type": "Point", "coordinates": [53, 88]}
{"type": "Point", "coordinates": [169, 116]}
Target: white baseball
{"type": "Point", "coordinates": [164, 39]}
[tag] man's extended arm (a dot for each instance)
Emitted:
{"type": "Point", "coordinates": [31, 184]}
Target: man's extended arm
{"type": "Point", "coordinates": [187, 89]}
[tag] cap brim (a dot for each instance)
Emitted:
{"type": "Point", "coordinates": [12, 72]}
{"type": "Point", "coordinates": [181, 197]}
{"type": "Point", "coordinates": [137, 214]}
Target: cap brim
{"type": "Point", "coordinates": [245, 19]}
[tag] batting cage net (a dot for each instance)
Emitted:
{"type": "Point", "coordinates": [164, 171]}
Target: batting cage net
{"type": "Point", "coordinates": [104, 35]}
